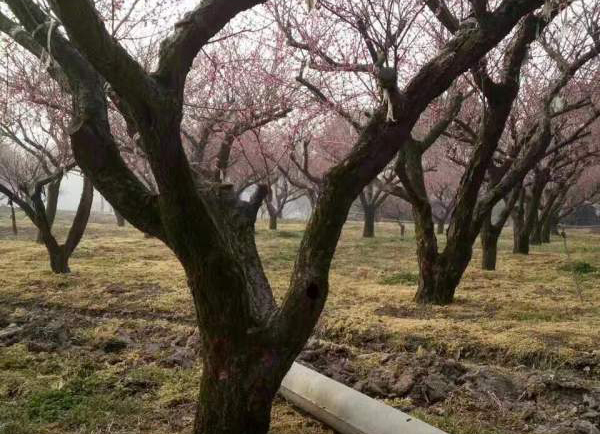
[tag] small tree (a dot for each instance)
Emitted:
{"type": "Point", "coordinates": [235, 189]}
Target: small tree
{"type": "Point", "coordinates": [22, 180]}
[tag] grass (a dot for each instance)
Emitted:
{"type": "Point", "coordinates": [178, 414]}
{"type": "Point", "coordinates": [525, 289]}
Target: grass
{"type": "Point", "coordinates": [579, 267]}
{"type": "Point", "coordinates": [129, 293]}
{"type": "Point", "coordinates": [399, 279]}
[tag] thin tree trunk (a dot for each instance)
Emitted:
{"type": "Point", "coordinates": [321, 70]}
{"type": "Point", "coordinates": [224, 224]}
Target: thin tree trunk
{"type": "Point", "coordinates": [272, 222]}
{"type": "Point", "coordinates": [521, 242]}
{"type": "Point", "coordinates": [536, 234]}
{"type": "Point", "coordinates": [546, 231]}
{"type": "Point", "coordinates": [489, 245]}
{"type": "Point", "coordinates": [53, 192]}
{"type": "Point", "coordinates": [369, 222]}
{"type": "Point", "coordinates": [440, 227]}
{"type": "Point", "coordinates": [520, 237]}
{"type": "Point", "coordinates": [13, 218]}
{"type": "Point", "coordinates": [120, 219]}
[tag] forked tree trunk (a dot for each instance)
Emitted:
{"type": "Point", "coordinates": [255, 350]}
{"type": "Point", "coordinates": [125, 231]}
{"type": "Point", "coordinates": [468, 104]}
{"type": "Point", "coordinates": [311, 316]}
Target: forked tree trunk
{"type": "Point", "coordinates": [120, 219]}
{"type": "Point", "coordinates": [59, 259]}
{"type": "Point", "coordinates": [438, 282]}
{"type": "Point", "coordinates": [439, 274]}
{"type": "Point", "coordinates": [53, 192]}
{"type": "Point", "coordinates": [369, 222]}
{"type": "Point", "coordinates": [241, 373]}
{"type": "Point", "coordinates": [13, 218]}
{"type": "Point", "coordinates": [60, 254]}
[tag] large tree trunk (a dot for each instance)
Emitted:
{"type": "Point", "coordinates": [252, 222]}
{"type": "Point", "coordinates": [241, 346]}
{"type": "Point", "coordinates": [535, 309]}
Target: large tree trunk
{"type": "Point", "coordinates": [13, 218]}
{"type": "Point", "coordinates": [120, 219]}
{"type": "Point", "coordinates": [369, 222]}
{"type": "Point", "coordinates": [236, 391]}
{"type": "Point", "coordinates": [489, 245]}
{"type": "Point", "coordinates": [244, 359]}
{"type": "Point", "coordinates": [438, 282]}
{"type": "Point", "coordinates": [53, 192]}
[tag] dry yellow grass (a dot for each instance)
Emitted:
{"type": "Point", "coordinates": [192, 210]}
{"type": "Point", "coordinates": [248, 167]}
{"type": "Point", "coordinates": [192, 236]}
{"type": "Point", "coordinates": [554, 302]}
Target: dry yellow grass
{"type": "Point", "coordinates": [527, 312]}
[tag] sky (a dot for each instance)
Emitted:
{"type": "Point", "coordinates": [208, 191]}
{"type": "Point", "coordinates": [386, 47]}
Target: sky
{"type": "Point", "coordinates": [70, 192]}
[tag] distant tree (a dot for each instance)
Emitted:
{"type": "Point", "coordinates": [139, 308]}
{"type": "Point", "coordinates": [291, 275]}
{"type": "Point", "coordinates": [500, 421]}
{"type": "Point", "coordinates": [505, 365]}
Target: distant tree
{"type": "Point", "coordinates": [22, 180]}
{"type": "Point", "coordinates": [441, 271]}
{"type": "Point", "coordinates": [13, 217]}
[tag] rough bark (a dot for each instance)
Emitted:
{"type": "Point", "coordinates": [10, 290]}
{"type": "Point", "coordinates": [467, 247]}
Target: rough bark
{"type": "Point", "coordinates": [440, 273]}
{"type": "Point", "coordinates": [239, 381]}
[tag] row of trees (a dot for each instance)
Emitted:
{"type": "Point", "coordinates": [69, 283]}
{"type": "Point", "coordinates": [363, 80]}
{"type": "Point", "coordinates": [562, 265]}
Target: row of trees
{"type": "Point", "coordinates": [471, 111]}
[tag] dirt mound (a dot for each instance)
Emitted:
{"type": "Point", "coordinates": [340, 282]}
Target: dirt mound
{"type": "Point", "coordinates": [39, 330]}
{"type": "Point", "coordinates": [333, 360]}
{"type": "Point", "coordinates": [531, 400]}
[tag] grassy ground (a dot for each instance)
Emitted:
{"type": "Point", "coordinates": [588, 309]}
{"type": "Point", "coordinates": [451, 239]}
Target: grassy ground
{"type": "Point", "coordinates": [111, 347]}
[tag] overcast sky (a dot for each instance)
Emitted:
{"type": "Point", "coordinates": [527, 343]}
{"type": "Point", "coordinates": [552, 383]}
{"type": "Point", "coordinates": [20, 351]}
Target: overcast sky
{"type": "Point", "coordinates": [70, 192]}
